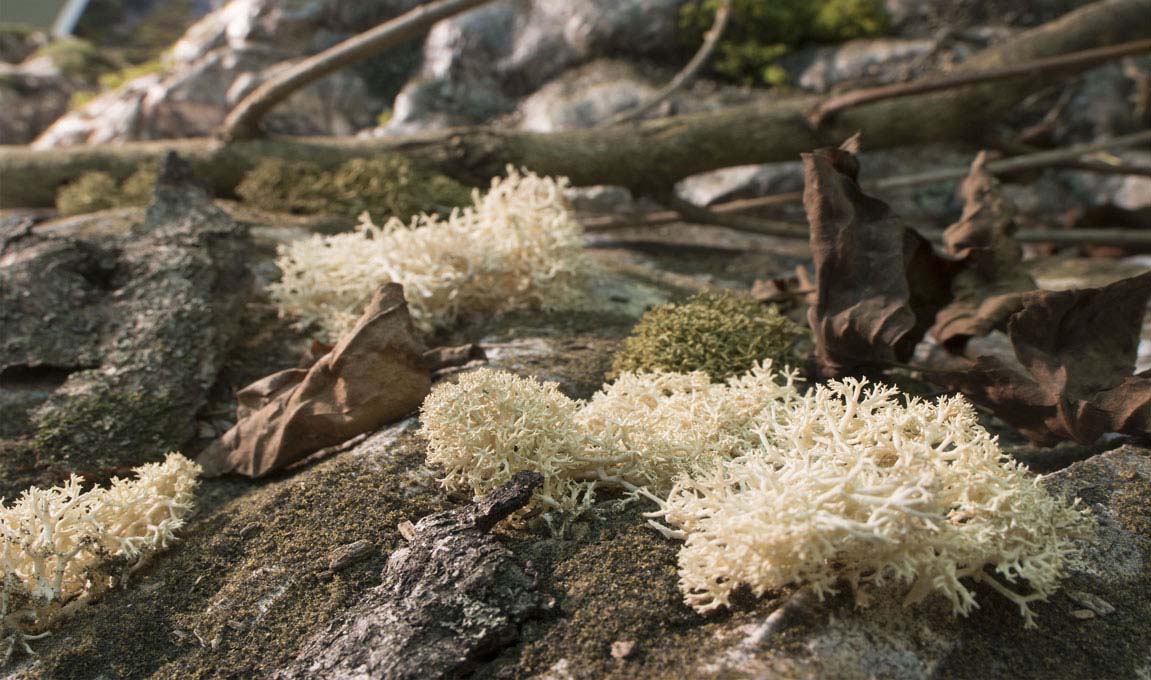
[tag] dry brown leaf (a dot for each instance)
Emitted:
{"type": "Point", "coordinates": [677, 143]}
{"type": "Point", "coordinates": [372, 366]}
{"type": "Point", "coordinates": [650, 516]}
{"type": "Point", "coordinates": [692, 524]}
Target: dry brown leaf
{"type": "Point", "coordinates": [990, 279]}
{"type": "Point", "coordinates": [1076, 353]}
{"type": "Point", "coordinates": [374, 375]}
{"type": "Point", "coordinates": [879, 284]}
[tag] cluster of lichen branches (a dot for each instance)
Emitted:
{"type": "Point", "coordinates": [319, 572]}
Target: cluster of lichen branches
{"type": "Point", "coordinates": [770, 486]}
{"type": "Point", "coordinates": [62, 547]}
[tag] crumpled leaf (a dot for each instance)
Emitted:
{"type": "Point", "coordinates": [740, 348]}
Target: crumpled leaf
{"type": "Point", "coordinates": [879, 283]}
{"type": "Point", "coordinates": [1076, 353]}
{"type": "Point", "coordinates": [990, 280]}
{"type": "Point", "coordinates": [374, 375]}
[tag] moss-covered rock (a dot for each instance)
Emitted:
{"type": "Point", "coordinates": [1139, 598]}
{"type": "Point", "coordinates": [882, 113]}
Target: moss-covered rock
{"type": "Point", "coordinates": [759, 32]}
{"type": "Point", "coordinates": [385, 186]}
{"type": "Point", "coordinates": [722, 334]}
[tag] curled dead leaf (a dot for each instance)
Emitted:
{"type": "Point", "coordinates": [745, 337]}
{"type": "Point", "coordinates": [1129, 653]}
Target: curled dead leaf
{"type": "Point", "coordinates": [374, 375]}
{"type": "Point", "coordinates": [989, 278]}
{"type": "Point", "coordinates": [879, 284]}
{"type": "Point", "coordinates": [1075, 353]}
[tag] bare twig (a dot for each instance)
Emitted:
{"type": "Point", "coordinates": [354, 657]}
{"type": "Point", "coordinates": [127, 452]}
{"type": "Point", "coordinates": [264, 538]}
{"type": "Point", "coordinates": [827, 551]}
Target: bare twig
{"type": "Point", "coordinates": [1103, 168]}
{"type": "Point", "coordinates": [244, 120]}
{"type": "Point", "coordinates": [1075, 60]}
{"type": "Point", "coordinates": [685, 76]}
{"type": "Point", "coordinates": [693, 213]}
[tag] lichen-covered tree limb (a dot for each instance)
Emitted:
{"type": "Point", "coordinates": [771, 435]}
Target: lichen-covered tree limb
{"type": "Point", "coordinates": [649, 157]}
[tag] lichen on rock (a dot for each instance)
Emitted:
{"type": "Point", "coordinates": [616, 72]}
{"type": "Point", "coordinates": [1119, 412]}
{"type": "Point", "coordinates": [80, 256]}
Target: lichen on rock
{"type": "Point", "coordinates": [62, 547]}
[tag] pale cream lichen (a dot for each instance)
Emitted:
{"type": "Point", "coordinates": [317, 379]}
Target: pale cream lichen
{"type": "Point", "coordinates": [64, 546]}
{"type": "Point", "coordinates": [641, 431]}
{"type": "Point", "coordinates": [771, 487]}
{"type": "Point", "coordinates": [854, 485]}
{"type": "Point", "coordinates": [518, 246]}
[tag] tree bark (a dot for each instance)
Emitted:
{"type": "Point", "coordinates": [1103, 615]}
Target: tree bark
{"type": "Point", "coordinates": [646, 158]}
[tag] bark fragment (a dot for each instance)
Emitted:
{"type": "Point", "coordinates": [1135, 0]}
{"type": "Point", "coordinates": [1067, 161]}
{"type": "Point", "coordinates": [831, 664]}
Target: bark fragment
{"type": "Point", "coordinates": [450, 598]}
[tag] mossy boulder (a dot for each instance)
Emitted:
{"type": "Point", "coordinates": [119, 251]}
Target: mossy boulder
{"type": "Point", "coordinates": [384, 186]}
{"type": "Point", "coordinates": [721, 334]}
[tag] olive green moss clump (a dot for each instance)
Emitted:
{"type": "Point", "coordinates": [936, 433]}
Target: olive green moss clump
{"type": "Point", "coordinates": [723, 335]}
{"type": "Point", "coordinates": [759, 32]}
{"type": "Point", "coordinates": [94, 191]}
{"type": "Point", "coordinates": [384, 186]}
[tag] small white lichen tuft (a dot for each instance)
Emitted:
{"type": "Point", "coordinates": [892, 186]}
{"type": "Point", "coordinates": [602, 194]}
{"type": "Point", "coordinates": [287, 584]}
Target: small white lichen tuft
{"type": "Point", "coordinates": [770, 486]}
{"type": "Point", "coordinates": [63, 546]}
{"type": "Point", "coordinates": [518, 246]}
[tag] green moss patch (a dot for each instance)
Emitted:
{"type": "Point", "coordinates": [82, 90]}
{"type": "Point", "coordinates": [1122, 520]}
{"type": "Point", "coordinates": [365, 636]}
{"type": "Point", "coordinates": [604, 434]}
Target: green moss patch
{"type": "Point", "coordinates": [95, 191]}
{"type": "Point", "coordinates": [723, 335]}
{"type": "Point", "coordinates": [384, 186]}
{"type": "Point", "coordinates": [759, 33]}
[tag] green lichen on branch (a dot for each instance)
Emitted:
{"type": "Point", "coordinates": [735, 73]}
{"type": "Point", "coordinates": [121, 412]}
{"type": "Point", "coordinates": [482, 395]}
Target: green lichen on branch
{"type": "Point", "coordinates": [762, 32]}
{"type": "Point", "coordinates": [384, 186]}
{"type": "Point", "coordinates": [721, 334]}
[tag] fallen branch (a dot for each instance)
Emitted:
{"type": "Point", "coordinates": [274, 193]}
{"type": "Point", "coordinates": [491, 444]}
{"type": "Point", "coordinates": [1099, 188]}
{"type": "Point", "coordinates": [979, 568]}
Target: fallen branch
{"type": "Point", "coordinates": [685, 76]}
{"type": "Point", "coordinates": [647, 158]}
{"type": "Point", "coordinates": [1076, 60]}
{"type": "Point", "coordinates": [244, 120]}
{"type": "Point", "coordinates": [1053, 158]}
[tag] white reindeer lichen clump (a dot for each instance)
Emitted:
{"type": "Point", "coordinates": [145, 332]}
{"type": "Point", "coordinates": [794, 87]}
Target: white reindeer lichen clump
{"type": "Point", "coordinates": [853, 485]}
{"type": "Point", "coordinates": [640, 432]}
{"type": "Point", "coordinates": [518, 246]}
{"type": "Point", "coordinates": [63, 546]}
{"type": "Point", "coordinates": [771, 487]}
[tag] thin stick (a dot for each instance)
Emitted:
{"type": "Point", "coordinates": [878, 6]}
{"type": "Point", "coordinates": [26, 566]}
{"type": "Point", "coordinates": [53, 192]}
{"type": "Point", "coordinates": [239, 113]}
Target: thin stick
{"type": "Point", "coordinates": [244, 120]}
{"type": "Point", "coordinates": [693, 213]}
{"type": "Point", "coordinates": [1004, 166]}
{"type": "Point", "coordinates": [685, 76]}
{"type": "Point", "coordinates": [1076, 60]}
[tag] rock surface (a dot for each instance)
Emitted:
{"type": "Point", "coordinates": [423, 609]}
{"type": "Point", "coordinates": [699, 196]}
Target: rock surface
{"type": "Point", "coordinates": [32, 96]}
{"type": "Point", "coordinates": [479, 64]}
{"type": "Point", "coordinates": [278, 576]}
{"type": "Point", "coordinates": [229, 53]}
{"type": "Point", "coordinates": [449, 599]}
{"type": "Point", "coordinates": [110, 343]}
